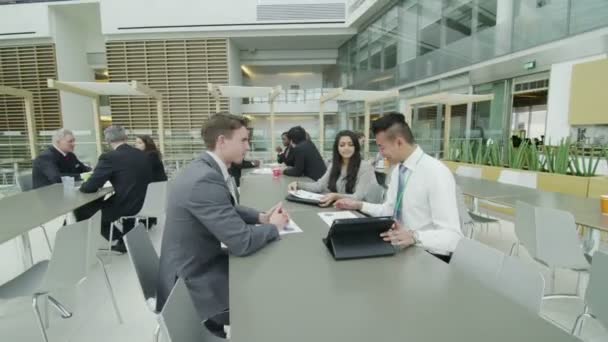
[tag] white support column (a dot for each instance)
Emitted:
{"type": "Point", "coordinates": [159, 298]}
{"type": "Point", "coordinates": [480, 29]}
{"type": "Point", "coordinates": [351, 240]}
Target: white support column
{"type": "Point", "coordinates": [272, 144]}
{"type": "Point", "coordinates": [446, 130]}
{"type": "Point", "coordinates": [321, 129]}
{"type": "Point", "coordinates": [469, 118]}
{"type": "Point", "coordinates": [31, 126]}
{"type": "Point", "coordinates": [97, 124]}
{"type": "Point", "coordinates": [408, 115]}
{"type": "Point", "coordinates": [367, 106]}
{"type": "Point", "coordinates": [161, 125]}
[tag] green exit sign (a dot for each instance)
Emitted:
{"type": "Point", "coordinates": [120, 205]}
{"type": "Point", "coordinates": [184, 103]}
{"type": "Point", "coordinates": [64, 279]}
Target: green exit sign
{"type": "Point", "coordinates": [530, 65]}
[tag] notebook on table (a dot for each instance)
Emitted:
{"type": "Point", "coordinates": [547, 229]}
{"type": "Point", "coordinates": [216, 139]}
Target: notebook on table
{"type": "Point", "coordinates": [305, 197]}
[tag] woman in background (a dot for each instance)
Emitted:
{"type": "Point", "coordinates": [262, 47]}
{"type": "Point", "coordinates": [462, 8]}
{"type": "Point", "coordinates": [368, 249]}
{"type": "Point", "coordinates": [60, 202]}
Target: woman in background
{"type": "Point", "coordinates": [146, 144]}
{"type": "Point", "coordinates": [347, 177]}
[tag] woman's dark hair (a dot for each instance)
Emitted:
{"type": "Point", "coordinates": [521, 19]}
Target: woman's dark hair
{"type": "Point", "coordinates": [149, 143]}
{"type": "Point", "coordinates": [353, 164]}
{"type": "Point", "coordinates": [296, 134]}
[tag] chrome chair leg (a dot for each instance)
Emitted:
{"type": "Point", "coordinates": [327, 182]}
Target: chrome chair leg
{"type": "Point", "coordinates": [579, 322]}
{"type": "Point", "coordinates": [515, 244]}
{"type": "Point", "coordinates": [47, 323]}
{"type": "Point", "coordinates": [110, 289]}
{"type": "Point", "coordinates": [38, 316]}
{"type": "Point", "coordinates": [46, 237]}
{"type": "Point", "coordinates": [156, 337]}
{"type": "Point", "coordinates": [63, 311]}
{"type": "Point", "coordinates": [111, 237]}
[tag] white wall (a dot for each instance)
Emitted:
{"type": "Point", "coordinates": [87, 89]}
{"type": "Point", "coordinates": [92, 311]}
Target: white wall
{"type": "Point", "coordinates": [235, 76]}
{"type": "Point", "coordinates": [136, 13]}
{"type": "Point", "coordinates": [558, 105]}
{"type": "Point", "coordinates": [293, 56]}
{"type": "Point", "coordinates": [209, 15]}
{"type": "Point", "coordinates": [71, 50]}
{"type": "Point", "coordinates": [95, 41]}
{"type": "Point", "coordinates": [306, 80]}
{"type": "Point", "coordinates": [24, 18]}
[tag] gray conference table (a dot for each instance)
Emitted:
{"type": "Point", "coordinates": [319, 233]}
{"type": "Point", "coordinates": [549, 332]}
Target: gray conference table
{"type": "Point", "coordinates": [293, 290]}
{"type": "Point", "coordinates": [27, 210]}
{"type": "Point", "coordinates": [586, 211]}
{"type": "Point", "coordinates": [490, 190]}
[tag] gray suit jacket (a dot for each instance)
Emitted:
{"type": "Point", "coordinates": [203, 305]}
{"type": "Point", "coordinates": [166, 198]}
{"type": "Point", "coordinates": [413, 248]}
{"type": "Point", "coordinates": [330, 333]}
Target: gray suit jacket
{"type": "Point", "coordinates": [201, 214]}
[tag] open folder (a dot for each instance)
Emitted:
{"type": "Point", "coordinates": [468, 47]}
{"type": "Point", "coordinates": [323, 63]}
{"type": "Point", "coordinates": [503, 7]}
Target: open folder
{"type": "Point", "coordinates": [306, 197]}
{"type": "Point", "coordinates": [357, 238]}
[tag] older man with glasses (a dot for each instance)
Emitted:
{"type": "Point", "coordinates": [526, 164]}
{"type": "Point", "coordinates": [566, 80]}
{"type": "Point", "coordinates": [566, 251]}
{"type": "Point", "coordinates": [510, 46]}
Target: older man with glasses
{"type": "Point", "coordinates": [57, 161]}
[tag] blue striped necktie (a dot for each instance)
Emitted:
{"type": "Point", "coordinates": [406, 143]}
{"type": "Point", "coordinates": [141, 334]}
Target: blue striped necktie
{"type": "Point", "coordinates": [398, 213]}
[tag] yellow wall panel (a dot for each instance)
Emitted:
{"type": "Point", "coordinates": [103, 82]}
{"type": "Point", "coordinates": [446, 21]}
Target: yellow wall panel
{"type": "Point", "coordinates": [589, 93]}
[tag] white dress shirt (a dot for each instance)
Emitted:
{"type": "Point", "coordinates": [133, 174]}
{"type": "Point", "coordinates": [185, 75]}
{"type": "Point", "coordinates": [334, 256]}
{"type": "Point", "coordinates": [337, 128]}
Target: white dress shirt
{"type": "Point", "coordinates": [229, 182]}
{"type": "Point", "coordinates": [428, 204]}
{"type": "Point", "coordinates": [60, 151]}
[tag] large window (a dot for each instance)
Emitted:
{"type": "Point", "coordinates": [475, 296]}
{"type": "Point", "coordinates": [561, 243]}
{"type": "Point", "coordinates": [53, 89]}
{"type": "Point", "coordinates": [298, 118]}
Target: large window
{"type": "Point", "coordinates": [458, 21]}
{"type": "Point", "coordinates": [588, 14]}
{"type": "Point", "coordinates": [390, 56]}
{"type": "Point", "coordinates": [429, 26]}
{"type": "Point", "coordinates": [417, 39]}
{"type": "Point", "coordinates": [538, 21]}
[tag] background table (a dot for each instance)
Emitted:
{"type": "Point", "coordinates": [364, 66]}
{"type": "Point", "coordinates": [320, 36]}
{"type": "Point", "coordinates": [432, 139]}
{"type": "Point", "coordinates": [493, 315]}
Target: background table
{"type": "Point", "coordinates": [27, 210]}
{"type": "Point", "coordinates": [586, 211]}
{"type": "Point", "coordinates": [293, 290]}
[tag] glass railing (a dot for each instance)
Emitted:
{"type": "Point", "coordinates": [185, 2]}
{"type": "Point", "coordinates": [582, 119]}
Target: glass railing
{"type": "Point", "coordinates": [293, 96]}
{"type": "Point", "coordinates": [529, 26]}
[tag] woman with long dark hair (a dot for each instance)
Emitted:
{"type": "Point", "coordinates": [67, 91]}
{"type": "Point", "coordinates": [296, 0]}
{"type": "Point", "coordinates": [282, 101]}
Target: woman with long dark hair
{"type": "Point", "coordinates": [146, 144]}
{"type": "Point", "coordinates": [347, 177]}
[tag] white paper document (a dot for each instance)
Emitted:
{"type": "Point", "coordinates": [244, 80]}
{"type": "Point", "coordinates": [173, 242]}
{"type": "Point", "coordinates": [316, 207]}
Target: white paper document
{"type": "Point", "coordinates": [262, 171]}
{"type": "Point", "coordinates": [307, 195]}
{"type": "Point", "coordinates": [291, 228]}
{"type": "Point", "coordinates": [330, 217]}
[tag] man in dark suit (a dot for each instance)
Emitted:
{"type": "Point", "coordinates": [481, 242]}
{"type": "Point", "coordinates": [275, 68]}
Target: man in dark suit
{"type": "Point", "coordinates": [127, 169]}
{"type": "Point", "coordinates": [307, 160]}
{"type": "Point", "coordinates": [57, 161]}
{"type": "Point", "coordinates": [284, 154]}
{"type": "Point", "coordinates": [202, 212]}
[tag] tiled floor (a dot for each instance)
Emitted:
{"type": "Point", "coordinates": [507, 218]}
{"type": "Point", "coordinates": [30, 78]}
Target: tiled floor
{"type": "Point", "coordinates": [94, 319]}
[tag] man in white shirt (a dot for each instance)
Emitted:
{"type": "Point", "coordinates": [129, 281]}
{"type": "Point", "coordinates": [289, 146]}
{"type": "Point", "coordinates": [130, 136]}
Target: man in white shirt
{"type": "Point", "coordinates": [421, 195]}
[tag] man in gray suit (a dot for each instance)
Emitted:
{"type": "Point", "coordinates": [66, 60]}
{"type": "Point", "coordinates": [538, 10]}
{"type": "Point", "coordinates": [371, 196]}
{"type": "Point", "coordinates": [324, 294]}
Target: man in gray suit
{"type": "Point", "coordinates": [202, 212]}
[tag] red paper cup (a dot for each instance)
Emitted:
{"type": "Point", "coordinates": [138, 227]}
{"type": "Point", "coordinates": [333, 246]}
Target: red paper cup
{"type": "Point", "coordinates": [276, 172]}
{"type": "Point", "coordinates": [604, 203]}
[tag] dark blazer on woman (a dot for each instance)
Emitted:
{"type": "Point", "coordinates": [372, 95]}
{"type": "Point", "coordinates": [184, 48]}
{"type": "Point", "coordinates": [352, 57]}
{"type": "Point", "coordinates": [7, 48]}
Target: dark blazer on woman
{"type": "Point", "coordinates": [158, 169]}
{"type": "Point", "coordinates": [286, 156]}
{"type": "Point", "coordinates": [307, 162]}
